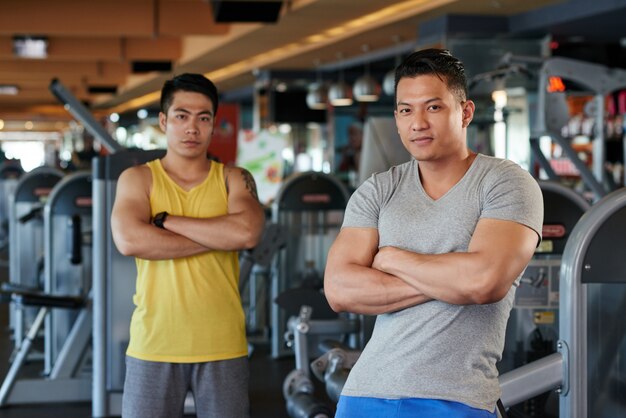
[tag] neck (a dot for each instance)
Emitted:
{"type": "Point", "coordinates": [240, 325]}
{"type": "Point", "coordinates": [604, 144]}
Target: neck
{"type": "Point", "coordinates": [185, 167]}
{"type": "Point", "coordinates": [438, 177]}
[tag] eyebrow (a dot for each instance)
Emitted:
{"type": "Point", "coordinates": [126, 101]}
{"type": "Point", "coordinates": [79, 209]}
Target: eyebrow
{"type": "Point", "coordinates": [183, 110]}
{"type": "Point", "coordinates": [433, 99]}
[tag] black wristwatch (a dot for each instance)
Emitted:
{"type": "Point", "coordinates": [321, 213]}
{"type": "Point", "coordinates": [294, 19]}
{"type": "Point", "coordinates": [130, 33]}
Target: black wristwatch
{"type": "Point", "coordinates": [159, 218]}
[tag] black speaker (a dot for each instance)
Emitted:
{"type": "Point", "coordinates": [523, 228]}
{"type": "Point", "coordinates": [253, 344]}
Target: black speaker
{"type": "Point", "coordinates": [227, 11]}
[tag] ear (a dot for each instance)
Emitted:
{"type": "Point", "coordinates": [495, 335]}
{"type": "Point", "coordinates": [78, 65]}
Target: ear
{"type": "Point", "coordinates": [468, 108]}
{"type": "Point", "coordinates": [162, 121]}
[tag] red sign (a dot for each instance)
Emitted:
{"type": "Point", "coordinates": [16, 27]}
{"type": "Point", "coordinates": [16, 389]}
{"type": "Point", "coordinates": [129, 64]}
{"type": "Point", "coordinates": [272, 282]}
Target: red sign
{"type": "Point", "coordinates": [553, 231]}
{"type": "Point", "coordinates": [83, 202]}
{"type": "Point", "coordinates": [316, 198]}
{"type": "Point", "coordinates": [223, 144]}
{"type": "Point", "coordinates": [42, 191]}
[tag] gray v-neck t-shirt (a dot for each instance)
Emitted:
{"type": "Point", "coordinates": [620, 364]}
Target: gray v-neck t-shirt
{"type": "Point", "coordinates": [438, 350]}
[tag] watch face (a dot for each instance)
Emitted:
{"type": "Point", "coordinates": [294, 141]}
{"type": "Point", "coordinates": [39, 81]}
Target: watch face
{"type": "Point", "coordinates": [159, 219]}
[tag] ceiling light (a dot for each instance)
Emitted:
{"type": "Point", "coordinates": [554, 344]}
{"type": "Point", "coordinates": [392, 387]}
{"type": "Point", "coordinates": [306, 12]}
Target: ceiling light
{"type": "Point", "coordinates": [30, 47]}
{"type": "Point", "coordinates": [281, 87]}
{"type": "Point", "coordinates": [389, 83]}
{"type": "Point", "coordinates": [366, 89]}
{"type": "Point", "coordinates": [317, 97]}
{"type": "Point", "coordinates": [1, 124]}
{"type": "Point", "coordinates": [340, 94]}
{"type": "Point", "coordinates": [9, 89]}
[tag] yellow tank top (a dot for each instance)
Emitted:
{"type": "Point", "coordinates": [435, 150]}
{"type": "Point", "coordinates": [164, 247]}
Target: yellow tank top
{"type": "Point", "coordinates": [188, 310]}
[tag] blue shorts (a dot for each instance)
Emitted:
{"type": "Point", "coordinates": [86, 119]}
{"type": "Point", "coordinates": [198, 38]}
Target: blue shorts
{"type": "Point", "coordinates": [357, 407]}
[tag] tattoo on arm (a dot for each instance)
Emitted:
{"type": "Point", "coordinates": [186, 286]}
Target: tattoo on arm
{"type": "Point", "coordinates": [250, 184]}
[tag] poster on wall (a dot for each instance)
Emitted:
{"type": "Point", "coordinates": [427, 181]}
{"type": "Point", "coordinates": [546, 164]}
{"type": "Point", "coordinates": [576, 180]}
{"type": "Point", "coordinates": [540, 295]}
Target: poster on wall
{"type": "Point", "coordinates": [261, 154]}
{"type": "Point", "coordinates": [223, 145]}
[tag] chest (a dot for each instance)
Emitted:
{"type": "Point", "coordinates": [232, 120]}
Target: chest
{"type": "Point", "coordinates": [207, 199]}
{"type": "Point", "coordinates": [412, 220]}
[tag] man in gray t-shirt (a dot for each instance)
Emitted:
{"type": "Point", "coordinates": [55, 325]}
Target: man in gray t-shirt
{"type": "Point", "coordinates": [434, 248]}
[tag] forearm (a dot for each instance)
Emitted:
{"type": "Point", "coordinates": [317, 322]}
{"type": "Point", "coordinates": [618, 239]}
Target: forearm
{"type": "Point", "coordinates": [497, 254]}
{"type": "Point", "coordinates": [365, 290]}
{"type": "Point", "coordinates": [146, 241]}
{"type": "Point", "coordinates": [457, 278]}
{"type": "Point", "coordinates": [230, 232]}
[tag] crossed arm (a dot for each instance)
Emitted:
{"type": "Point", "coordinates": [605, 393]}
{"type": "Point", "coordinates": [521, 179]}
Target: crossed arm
{"type": "Point", "coordinates": [377, 281]}
{"type": "Point", "coordinates": [134, 235]}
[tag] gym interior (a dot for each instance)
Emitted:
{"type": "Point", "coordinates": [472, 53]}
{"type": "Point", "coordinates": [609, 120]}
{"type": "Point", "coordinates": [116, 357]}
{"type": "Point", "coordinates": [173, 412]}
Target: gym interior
{"type": "Point", "coordinates": [306, 90]}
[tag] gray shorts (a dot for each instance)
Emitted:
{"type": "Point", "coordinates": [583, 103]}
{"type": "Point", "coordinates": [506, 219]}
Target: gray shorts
{"type": "Point", "coordinates": [155, 390]}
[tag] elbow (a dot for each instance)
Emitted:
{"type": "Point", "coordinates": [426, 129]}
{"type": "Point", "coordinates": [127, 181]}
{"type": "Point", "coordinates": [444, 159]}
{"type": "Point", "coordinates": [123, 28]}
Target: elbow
{"type": "Point", "coordinates": [124, 245]}
{"type": "Point", "coordinates": [488, 289]}
{"type": "Point", "coordinates": [251, 238]}
{"type": "Point", "coordinates": [486, 298]}
{"type": "Point", "coordinates": [124, 248]}
{"type": "Point", "coordinates": [333, 296]}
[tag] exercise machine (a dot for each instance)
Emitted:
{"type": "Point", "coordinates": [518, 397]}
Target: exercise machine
{"type": "Point", "coordinates": [553, 115]}
{"type": "Point", "coordinates": [62, 304]}
{"type": "Point", "coordinates": [26, 242]}
{"type": "Point", "coordinates": [587, 370]}
{"type": "Point", "coordinates": [532, 329]}
{"type": "Point", "coordinates": [113, 285]}
{"type": "Point", "coordinates": [309, 206]}
{"type": "Point", "coordinates": [10, 172]}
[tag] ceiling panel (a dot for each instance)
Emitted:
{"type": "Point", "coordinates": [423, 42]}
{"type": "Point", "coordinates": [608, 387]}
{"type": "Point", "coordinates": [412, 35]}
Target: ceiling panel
{"type": "Point", "coordinates": [94, 43]}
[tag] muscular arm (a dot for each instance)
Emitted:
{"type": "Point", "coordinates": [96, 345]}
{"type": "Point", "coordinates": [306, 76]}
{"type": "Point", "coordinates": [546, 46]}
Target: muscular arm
{"type": "Point", "coordinates": [351, 284]}
{"type": "Point", "coordinates": [133, 233]}
{"type": "Point", "coordinates": [240, 228]}
{"type": "Point", "coordinates": [498, 252]}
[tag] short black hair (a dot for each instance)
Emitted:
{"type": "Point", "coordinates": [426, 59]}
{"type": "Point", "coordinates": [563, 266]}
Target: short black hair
{"type": "Point", "coordinates": [188, 82]}
{"type": "Point", "coordinates": [438, 62]}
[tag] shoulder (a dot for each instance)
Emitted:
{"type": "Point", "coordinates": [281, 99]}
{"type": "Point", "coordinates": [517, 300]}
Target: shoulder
{"type": "Point", "coordinates": [394, 175]}
{"type": "Point", "coordinates": [136, 176]}
{"type": "Point", "coordinates": [237, 174]}
{"type": "Point", "coordinates": [498, 170]}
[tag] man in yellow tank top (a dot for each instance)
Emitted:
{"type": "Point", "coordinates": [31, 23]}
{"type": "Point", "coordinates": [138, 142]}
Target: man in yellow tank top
{"type": "Point", "coordinates": [184, 218]}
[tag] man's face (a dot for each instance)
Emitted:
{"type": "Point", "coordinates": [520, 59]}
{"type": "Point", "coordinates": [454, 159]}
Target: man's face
{"type": "Point", "coordinates": [188, 124]}
{"type": "Point", "coordinates": [431, 120]}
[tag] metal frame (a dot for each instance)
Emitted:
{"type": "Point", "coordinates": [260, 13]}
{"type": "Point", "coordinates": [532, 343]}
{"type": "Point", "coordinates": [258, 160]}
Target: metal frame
{"type": "Point", "coordinates": [80, 112]}
{"type": "Point", "coordinates": [58, 274]}
{"type": "Point", "coordinates": [567, 370]}
{"type": "Point", "coordinates": [573, 302]}
{"type": "Point", "coordinates": [64, 380]}
{"type": "Point", "coordinates": [112, 285]}
{"type": "Point", "coordinates": [601, 81]}
{"type": "Point", "coordinates": [22, 243]}
{"type": "Point", "coordinates": [288, 201]}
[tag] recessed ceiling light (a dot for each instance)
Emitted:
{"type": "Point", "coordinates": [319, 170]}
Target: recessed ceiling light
{"type": "Point", "coordinates": [9, 89]}
{"type": "Point", "coordinates": [30, 46]}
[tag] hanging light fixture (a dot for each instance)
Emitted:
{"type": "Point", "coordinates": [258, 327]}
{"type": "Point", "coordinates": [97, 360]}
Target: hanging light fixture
{"type": "Point", "coordinates": [317, 97]}
{"type": "Point", "coordinates": [366, 89]}
{"type": "Point", "coordinates": [389, 82]}
{"type": "Point", "coordinates": [340, 93]}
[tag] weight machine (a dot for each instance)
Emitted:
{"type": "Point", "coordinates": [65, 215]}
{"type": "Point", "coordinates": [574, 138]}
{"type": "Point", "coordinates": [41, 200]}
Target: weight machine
{"type": "Point", "coordinates": [62, 305]}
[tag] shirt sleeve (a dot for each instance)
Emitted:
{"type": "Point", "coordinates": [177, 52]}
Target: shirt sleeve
{"type": "Point", "coordinates": [512, 194]}
{"type": "Point", "coordinates": [363, 208]}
